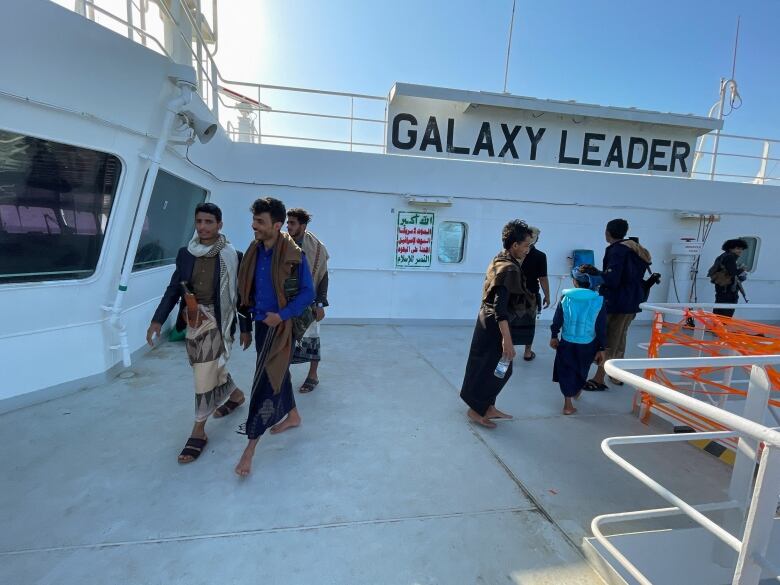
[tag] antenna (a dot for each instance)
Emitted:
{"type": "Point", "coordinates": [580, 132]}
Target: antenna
{"type": "Point", "coordinates": [736, 44]}
{"type": "Point", "coordinates": [509, 45]}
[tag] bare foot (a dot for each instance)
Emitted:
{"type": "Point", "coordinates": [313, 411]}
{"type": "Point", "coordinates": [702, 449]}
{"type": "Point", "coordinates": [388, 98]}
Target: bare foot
{"type": "Point", "coordinates": [493, 412]}
{"type": "Point", "coordinates": [291, 421]}
{"type": "Point", "coordinates": [244, 467]}
{"type": "Point", "coordinates": [569, 410]}
{"type": "Point", "coordinates": [480, 420]}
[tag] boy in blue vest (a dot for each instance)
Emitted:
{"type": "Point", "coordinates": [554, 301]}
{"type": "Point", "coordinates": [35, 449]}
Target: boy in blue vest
{"type": "Point", "coordinates": [581, 319]}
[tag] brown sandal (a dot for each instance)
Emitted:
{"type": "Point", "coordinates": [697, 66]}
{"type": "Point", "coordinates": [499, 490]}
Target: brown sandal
{"type": "Point", "coordinates": [192, 448]}
{"type": "Point", "coordinates": [228, 407]}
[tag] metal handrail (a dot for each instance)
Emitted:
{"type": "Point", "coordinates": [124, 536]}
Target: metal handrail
{"type": "Point", "coordinates": [595, 527]}
{"type": "Point", "coordinates": [211, 77]}
{"type": "Point", "coordinates": [234, 132]}
{"type": "Point", "coordinates": [304, 90]}
{"type": "Point", "coordinates": [120, 20]}
{"type": "Point", "coordinates": [757, 531]}
{"type": "Point", "coordinates": [616, 369]}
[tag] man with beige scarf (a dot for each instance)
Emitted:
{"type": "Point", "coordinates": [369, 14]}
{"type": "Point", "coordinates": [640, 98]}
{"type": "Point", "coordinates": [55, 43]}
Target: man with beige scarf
{"type": "Point", "coordinates": [307, 349]}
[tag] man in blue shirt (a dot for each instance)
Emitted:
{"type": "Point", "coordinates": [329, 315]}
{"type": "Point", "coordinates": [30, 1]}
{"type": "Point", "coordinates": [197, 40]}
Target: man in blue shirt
{"type": "Point", "coordinates": [274, 287]}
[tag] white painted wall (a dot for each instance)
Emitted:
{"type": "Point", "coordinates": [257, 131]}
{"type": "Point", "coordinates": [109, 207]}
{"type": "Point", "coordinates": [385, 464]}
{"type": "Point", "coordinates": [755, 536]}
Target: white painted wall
{"type": "Point", "coordinates": [353, 197]}
{"type": "Point", "coordinates": [55, 333]}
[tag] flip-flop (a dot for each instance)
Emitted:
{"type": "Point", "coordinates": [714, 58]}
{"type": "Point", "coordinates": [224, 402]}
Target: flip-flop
{"type": "Point", "coordinates": [615, 382]}
{"type": "Point", "coordinates": [308, 385]}
{"type": "Point", "coordinates": [593, 386]}
{"type": "Point", "coordinates": [530, 358]}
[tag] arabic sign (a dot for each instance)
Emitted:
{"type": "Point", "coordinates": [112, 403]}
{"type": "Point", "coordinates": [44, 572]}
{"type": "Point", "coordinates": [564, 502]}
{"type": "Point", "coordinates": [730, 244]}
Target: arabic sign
{"type": "Point", "coordinates": [414, 240]}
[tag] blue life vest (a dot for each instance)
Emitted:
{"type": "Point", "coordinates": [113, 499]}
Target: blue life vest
{"type": "Point", "coordinates": [580, 307]}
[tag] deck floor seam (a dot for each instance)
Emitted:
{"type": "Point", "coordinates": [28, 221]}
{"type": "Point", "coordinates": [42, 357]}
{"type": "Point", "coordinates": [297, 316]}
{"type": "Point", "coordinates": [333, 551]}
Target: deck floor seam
{"type": "Point", "coordinates": [264, 531]}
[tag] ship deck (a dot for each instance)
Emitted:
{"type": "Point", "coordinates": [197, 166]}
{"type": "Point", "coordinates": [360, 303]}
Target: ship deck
{"type": "Point", "coordinates": [385, 481]}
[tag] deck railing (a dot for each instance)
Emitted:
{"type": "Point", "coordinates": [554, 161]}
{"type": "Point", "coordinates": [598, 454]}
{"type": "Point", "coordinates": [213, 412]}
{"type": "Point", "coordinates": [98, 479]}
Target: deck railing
{"type": "Point", "coordinates": [298, 116]}
{"type": "Point", "coordinates": [749, 509]}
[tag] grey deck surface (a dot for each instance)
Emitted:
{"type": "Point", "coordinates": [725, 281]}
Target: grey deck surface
{"type": "Point", "coordinates": [385, 481]}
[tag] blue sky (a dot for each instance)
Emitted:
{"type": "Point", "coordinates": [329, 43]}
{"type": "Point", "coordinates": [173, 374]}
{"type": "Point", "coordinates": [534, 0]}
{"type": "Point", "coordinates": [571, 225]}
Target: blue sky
{"type": "Point", "coordinates": [662, 55]}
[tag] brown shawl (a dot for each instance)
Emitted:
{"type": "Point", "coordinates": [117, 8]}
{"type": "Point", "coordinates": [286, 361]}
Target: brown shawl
{"type": "Point", "coordinates": [639, 250]}
{"type": "Point", "coordinates": [506, 271]}
{"type": "Point", "coordinates": [284, 264]}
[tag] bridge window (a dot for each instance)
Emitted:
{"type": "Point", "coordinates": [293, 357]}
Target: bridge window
{"type": "Point", "coordinates": [170, 221]}
{"type": "Point", "coordinates": [452, 241]}
{"type": "Point", "coordinates": [55, 200]}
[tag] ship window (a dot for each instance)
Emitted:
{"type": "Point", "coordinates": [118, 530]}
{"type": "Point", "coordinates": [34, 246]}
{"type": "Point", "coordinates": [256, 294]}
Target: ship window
{"type": "Point", "coordinates": [55, 200]}
{"type": "Point", "coordinates": [169, 222]}
{"type": "Point", "coordinates": [749, 256]}
{"type": "Point", "coordinates": [452, 242]}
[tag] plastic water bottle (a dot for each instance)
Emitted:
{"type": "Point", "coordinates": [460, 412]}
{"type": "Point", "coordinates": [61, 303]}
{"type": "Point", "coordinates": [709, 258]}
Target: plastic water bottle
{"type": "Point", "coordinates": [502, 367]}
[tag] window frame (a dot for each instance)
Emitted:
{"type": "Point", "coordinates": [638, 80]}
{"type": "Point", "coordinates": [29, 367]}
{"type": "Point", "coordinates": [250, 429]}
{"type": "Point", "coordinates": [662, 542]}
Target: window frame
{"type": "Point", "coordinates": [465, 243]}
{"type": "Point", "coordinates": [110, 223]}
{"type": "Point", "coordinates": [756, 251]}
{"type": "Point", "coordinates": [206, 199]}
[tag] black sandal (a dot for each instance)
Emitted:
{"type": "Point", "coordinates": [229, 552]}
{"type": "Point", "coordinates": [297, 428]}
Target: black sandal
{"type": "Point", "coordinates": [308, 385]}
{"type": "Point", "coordinates": [228, 407]}
{"type": "Point", "coordinates": [594, 386]}
{"type": "Point", "coordinates": [529, 358]}
{"type": "Point", "coordinates": [192, 448]}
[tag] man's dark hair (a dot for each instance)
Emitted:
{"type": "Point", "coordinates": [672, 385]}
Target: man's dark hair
{"type": "Point", "coordinates": [272, 206]}
{"type": "Point", "coordinates": [515, 231]}
{"type": "Point", "coordinates": [299, 213]}
{"type": "Point", "coordinates": [617, 228]}
{"type": "Point", "coordinates": [735, 243]}
{"type": "Point", "coordinates": [209, 208]}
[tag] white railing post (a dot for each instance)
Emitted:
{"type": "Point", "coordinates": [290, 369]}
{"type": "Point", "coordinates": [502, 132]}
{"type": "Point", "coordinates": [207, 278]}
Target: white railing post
{"type": "Point", "coordinates": [143, 10]}
{"type": "Point", "coordinates": [259, 118]}
{"type": "Point", "coordinates": [745, 464]}
{"type": "Point", "coordinates": [716, 140]}
{"type": "Point", "coordinates": [214, 90]}
{"type": "Point", "coordinates": [80, 6]}
{"type": "Point", "coordinates": [760, 519]}
{"type": "Point", "coordinates": [761, 176]}
{"type": "Point", "coordinates": [130, 20]}
{"type": "Point", "coordinates": [351, 119]}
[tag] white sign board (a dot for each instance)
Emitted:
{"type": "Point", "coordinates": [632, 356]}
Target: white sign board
{"type": "Point", "coordinates": [456, 129]}
{"type": "Point", "coordinates": [414, 239]}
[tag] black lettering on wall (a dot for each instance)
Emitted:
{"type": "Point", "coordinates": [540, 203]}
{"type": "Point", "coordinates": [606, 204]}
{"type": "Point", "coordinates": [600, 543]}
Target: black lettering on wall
{"type": "Point", "coordinates": [632, 143]}
{"type": "Point", "coordinates": [656, 155]}
{"type": "Point", "coordinates": [411, 134]}
{"type": "Point", "coordinates": [509, 140]}
{"type": "Point", "coordinates": [431, 136]}
{"type": "Point", "coordinates": [681, 156]}
{"type": "Point", "coordinates": [562, 158]}
{"type": "Point", "coordinates": [451, 138]}
{"type": "Point", "coordinates": [587, 148]}
{"type": "Point", "coordinates": [615, 153]}
{"type": "Point", "coordinates": [484, 140]}
{"type": "Point", "coordinates": [534, 138]}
